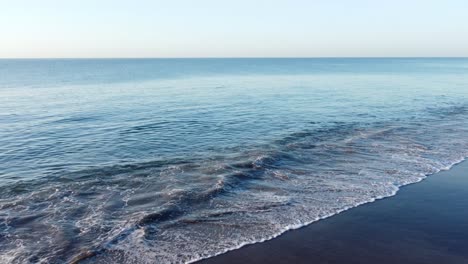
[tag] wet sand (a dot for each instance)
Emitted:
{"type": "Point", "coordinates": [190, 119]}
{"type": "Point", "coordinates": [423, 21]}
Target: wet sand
{"type": "Point", "coordinates": [426, 222]}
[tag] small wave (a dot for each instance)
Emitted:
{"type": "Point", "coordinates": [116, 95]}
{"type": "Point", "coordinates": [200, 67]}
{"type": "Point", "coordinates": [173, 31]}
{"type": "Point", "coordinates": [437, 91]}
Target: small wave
{"type": "Point", "coordinates": [184, 210]}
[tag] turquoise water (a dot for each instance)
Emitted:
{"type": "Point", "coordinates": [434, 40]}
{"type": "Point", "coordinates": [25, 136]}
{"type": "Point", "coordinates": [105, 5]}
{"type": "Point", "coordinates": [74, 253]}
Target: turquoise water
{"type": "Point", "coordinates": [173, 160]}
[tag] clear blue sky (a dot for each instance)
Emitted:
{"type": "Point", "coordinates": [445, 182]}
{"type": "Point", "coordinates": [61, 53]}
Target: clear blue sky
{"type": "Point", "coordinates": [234, 28]}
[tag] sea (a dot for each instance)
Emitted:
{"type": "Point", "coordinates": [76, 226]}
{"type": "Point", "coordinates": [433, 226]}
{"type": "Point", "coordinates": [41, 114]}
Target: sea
{"type": "Point", "coordinates": [177, 160]}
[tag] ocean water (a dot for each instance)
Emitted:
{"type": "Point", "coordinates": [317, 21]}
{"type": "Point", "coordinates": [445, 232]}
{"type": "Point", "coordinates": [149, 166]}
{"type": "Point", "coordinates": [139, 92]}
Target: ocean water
{"type": "Point", "coordinates": [175, 160]}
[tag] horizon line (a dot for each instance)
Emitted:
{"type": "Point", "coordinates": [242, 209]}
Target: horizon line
{"type": "Point", "coordinates": [259, 57]}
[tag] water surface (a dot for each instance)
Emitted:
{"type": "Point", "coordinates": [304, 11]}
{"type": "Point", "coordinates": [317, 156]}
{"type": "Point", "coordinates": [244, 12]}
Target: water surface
{"type": "Point", "coordinates": [173, 160]}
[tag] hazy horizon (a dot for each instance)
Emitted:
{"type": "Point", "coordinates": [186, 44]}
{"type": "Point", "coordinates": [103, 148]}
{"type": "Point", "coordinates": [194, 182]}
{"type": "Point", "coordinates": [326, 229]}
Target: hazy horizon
{"type": "Point", "coordinates": [233, 29]}
{"type": "Point", "coordinates": [214, 58]}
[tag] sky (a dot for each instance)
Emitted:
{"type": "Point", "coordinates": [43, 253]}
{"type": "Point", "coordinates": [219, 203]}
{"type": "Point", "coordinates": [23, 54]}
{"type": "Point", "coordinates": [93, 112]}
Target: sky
{"type": "Point", "coordinates": [233, 28]}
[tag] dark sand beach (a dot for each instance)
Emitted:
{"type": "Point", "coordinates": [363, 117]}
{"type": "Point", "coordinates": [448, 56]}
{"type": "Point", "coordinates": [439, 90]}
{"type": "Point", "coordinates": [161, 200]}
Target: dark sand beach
{"type": "Point", "coordinates": [425, 222]}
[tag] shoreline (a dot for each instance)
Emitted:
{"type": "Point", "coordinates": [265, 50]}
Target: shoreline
{"type": "Point", "coordinates": [280, 250]}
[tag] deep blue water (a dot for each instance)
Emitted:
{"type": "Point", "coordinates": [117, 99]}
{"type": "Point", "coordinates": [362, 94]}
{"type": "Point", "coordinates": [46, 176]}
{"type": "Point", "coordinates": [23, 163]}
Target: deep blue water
{"type": "Point", "coordinates": [173, 160]}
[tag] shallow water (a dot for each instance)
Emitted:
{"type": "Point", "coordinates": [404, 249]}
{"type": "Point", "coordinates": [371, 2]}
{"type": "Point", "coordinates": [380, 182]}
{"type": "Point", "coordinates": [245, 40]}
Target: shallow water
{"type": "Point", "coordinates": [175, 160]}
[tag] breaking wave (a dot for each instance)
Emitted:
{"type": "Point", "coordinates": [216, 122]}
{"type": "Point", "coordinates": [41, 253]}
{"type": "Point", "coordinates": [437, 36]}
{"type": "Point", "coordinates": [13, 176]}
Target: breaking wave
{"type": "Point", "coordinates": [183, 210]}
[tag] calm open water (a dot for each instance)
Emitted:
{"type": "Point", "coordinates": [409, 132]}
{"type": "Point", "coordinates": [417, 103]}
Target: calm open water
{"type": "Point", "coordinates": [174, 160]}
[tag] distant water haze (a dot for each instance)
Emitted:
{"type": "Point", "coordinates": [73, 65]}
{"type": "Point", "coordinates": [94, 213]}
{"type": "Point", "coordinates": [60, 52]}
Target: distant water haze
{"type": "Point", "coordinates": [241, 28]}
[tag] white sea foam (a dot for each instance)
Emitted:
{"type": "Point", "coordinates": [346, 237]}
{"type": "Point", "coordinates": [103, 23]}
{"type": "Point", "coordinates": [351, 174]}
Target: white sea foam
{"type": "Point", "coordinates": [300, 225]}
